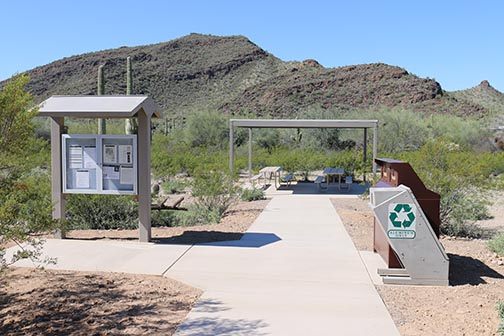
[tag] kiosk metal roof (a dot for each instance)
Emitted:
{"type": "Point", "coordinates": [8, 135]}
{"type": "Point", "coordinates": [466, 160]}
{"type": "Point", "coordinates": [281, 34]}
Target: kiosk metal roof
{"type": "Point", "coordinates": [120, 106]}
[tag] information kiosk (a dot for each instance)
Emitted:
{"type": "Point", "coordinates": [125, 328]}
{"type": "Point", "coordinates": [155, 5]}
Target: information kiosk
{"type": "Point", "coordinates": [101, 164]}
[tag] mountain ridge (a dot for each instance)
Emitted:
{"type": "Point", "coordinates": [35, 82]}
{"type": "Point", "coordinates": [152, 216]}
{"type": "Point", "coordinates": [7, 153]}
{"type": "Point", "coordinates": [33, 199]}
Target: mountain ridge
{"type": "Point", "coordinates": [235, 76]}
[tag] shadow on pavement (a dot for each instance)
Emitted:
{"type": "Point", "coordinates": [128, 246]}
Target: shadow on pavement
{"type": "Point", "coordinates": [217, 238]}
{"type": "Point", "coordinates": [210, 326]}
{"type": "Point", "coordinates": [308, 188]}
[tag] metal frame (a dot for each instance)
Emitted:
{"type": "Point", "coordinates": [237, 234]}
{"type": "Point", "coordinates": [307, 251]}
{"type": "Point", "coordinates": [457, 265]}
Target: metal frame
{"type": "Point", "coordinates": [117, 106]}
{"type": "Point", "coordinates": [306, 123]}
{"type": "Point", "coordinates": [99, 175]}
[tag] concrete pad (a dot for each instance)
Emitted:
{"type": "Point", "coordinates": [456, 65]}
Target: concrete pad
{"type": "Point", "coordinates": [108, 256]}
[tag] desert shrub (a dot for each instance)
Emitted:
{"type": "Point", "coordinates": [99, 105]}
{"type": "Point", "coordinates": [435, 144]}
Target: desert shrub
{"type": "Point", "coordinates": [326, 138]}
{"type": "Point", "coordinates": [101, 212]}
{"type": "Point", "coordinates": [467, 133]}
{"type": "Point", "coordinates": [253, 194]}
{"type": "Point", "coordinates": [173, 157]}
{"type": "Point", "coordinates": [500, 312]}
{"type": "Point", "coordinates": [496, 244]}
{"type": "Point", "coordinates": [401, 130]}
{"type": "Point", "coordinates": [214, 193]}
{"type": "Point", "coordinates": [206, 128]}
{"type": "Point", "coordinates": [25, 212]}
{"type": "Point", "coordinates": [174, 186]}
{"type": "Point", "coordinates": [164, 218]}
{"type": "Point", "coordinates": [198, 214]}
{"type": "Point", "coordinates": [460, 178]}
{"type": "Point", "coordinates": [267, 138]}
{"type": "Point", "coordinates": [349, 159]}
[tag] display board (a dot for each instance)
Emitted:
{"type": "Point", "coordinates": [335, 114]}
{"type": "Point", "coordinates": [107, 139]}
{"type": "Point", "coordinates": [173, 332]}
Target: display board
{"type": "Point", "coordinates": [99, 164]}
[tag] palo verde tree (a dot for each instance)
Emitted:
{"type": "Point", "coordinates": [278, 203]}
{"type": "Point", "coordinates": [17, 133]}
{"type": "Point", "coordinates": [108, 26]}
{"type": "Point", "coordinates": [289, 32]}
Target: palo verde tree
{"type": "Point", "coordinates": [25, 201]}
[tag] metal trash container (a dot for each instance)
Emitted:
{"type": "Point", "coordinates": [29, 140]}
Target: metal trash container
{"type": "Point", "coordinates": [393, 174]}
{"type": "Point", "coordinates": [407, 230]}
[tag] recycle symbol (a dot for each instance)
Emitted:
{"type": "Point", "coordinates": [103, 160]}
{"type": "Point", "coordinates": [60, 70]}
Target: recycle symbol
{"type": "Point", "coordinates": [402, 216]}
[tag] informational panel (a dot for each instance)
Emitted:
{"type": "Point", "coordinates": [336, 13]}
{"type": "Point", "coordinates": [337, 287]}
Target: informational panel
{"type": "Point", "coordinates": [100, 164]}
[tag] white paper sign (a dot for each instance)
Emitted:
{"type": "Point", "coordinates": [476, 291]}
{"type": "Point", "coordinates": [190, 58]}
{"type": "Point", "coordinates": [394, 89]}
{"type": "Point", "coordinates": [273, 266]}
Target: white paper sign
{"type": "Point", "coordinates": [127, 176]}
{"type": "Point", "coordinates": [109, 154]}
{"type": "Point", "coordinates": [82, 179]}
{"type": "Point", "coordinates": [75, 157]}
{"type": "Point", "coordinates": [110, 173]}
{"type": "Point", "coordinates": [90, 157]}
{"type": "Point", "coordinates": [126, 154]}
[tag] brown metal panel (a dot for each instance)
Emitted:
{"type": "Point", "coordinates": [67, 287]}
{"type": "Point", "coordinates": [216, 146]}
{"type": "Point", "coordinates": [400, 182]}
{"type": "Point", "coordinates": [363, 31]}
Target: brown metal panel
{"type": "Point", "coordinates": [382, 247]}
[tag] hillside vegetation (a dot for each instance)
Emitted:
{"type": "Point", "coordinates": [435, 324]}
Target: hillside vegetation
{"type": "Point", "coordinates": [233, 75]}
{"type": "Point", "coordinates": [184, 74]}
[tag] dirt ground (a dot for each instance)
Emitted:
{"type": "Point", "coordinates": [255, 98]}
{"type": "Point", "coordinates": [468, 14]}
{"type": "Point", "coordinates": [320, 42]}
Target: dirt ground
{"type": "Point", "coordinates": [47, 302]}
{"type": "Point", "coordinates": [466, 307]}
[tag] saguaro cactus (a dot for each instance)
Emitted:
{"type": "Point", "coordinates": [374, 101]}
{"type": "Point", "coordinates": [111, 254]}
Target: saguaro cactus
{"type": "Point", "coordinates": [130, 125]}
{"type": "Point", "coordinates": [102, 124]}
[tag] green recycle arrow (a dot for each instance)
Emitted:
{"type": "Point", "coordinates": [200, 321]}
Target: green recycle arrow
{"type": "Point", "coordinates": [406, 223]}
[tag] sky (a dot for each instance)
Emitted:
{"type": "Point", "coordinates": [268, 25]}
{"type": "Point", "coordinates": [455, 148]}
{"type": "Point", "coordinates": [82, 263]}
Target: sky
{"type": "Point", "coordinates": [458, 43]}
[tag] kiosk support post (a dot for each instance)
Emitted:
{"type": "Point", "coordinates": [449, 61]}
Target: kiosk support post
{"type": "Point", "coordinates": [58, 199]}
{"type": "Point", "coordinates": [144, 177]}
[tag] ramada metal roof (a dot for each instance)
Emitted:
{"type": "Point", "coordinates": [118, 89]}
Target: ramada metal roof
{"type": "Point", "coordinates": [299, 123]}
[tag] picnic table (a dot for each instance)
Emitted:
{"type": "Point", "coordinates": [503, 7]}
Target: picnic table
{"type": "Point", "coordinates": [332, 173]}
{"type": "Point", "coordinates": [271, 173]}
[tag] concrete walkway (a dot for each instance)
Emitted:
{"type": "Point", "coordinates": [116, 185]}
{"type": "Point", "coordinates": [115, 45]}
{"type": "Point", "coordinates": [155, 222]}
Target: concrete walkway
{"type": "Point", "coordinates": [296, 272]}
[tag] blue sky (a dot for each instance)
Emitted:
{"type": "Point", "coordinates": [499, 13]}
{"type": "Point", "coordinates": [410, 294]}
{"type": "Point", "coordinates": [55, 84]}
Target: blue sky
{"type": "Point", "coordinates": [459, 43]}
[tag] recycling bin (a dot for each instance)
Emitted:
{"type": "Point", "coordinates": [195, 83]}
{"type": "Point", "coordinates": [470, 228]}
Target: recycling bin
{"type": "Point", "coordinates": [392, 174]}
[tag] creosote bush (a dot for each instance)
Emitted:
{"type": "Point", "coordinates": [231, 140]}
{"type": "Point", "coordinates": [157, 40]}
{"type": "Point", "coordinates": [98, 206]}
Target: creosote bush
{"type": "Point", "coordinates": [101, 212]}
{"type": "Point", "coordinates": [461, 178]}
{"type": "Point", "coordinates": [254, 194]}
{"type": "Point", "coordinates": [206, 128]}
{"type": "Point", "coordinates": [164, 218]}
{"type": "Point", "coordinates": [500, 312]}
{"type": "Point", "coordinates": [174, 186]}
{"type": "Point", "coordinates": [496, 244]}
{"type": "Point", "coordinates": [214, 193]}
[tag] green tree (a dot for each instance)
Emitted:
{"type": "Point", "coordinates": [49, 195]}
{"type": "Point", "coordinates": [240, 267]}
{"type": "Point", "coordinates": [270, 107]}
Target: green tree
{"type": "Point", "coordinates": [25, 202]}
{"type": "Point", "coordinates": [16, 128]}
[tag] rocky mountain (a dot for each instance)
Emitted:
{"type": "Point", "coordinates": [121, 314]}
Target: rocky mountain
{"type": "Point", "coordinates": [234, 75]}
{"type": "Point", "coordinates": [485, 95]}
{"type": "Point", "coordinates": [191, 72]}
{"type": "Point", "coordinates": [356, 86]}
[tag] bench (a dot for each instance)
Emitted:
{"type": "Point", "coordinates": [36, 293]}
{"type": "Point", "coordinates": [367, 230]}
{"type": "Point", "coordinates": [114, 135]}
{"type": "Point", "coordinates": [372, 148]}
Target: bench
{"type": "Point", "coordinates": [348, 182]}
{"type": "Point", "coordinates": [318, 181]}
{"type": "Point", "coordinates": [288, 179]}
{"type": "Point", "coordinates": [256, 178]}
